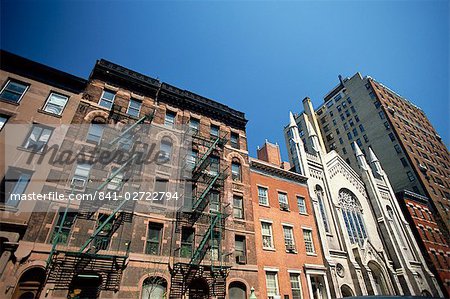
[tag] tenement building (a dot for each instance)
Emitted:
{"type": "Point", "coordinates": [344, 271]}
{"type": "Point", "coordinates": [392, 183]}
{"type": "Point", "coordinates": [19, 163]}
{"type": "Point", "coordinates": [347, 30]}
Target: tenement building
{"type": "Point", "coordinates": [290, 260]}
{"type": "Point", "coordinates": [122, 135]}
{"type": "Point", "coordinates": [368, 246]}
{"type": "Point", "coordinates": [432, 241]}
{"type": "Point", "coordinates": [363, 110]}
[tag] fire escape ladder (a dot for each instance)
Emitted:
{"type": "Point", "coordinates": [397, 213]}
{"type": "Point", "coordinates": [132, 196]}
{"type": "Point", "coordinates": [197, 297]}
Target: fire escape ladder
{"type": "Point", "coordinates": [203, 246]}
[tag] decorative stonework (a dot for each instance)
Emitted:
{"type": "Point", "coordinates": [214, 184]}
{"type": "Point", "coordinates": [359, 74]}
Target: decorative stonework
{"type": "Point", "coordinates": [338, 168]}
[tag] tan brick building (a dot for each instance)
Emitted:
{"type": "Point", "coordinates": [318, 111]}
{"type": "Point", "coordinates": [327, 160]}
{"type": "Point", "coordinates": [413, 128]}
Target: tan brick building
{"type": "Point", "coordinates": [290, 260]}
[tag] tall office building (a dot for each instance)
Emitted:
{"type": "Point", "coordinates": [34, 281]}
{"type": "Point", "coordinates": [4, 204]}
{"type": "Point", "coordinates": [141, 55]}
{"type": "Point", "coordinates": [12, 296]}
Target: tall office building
{"type": "Point", "coordinates": [362, 110]}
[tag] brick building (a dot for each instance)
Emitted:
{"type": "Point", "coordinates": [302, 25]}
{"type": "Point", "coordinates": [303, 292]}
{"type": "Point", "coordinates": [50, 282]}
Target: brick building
{"type": "Point", "coordinates": [419, 213]}
{"type": "Point", "coordinates": [34, 100]}
{"type": "Point", "coordinates": [290, 260]}
{"type": "Point", "coordinates": [201, 248]}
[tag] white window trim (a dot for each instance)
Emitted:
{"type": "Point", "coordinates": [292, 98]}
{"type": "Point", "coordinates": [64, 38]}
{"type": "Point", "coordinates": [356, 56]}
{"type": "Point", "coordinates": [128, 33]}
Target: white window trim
{"type": "Point", "coordinates": [103, 93]}
{"type": "Point", "coordinates": [271, 235]}
{"type": "Point", "coordinates": [267, 189]}
{"type": "Point", "coordinates": [48, 98]}
{"type": "Point", "coordinates": [129, 105]}
{"type": "Point", "coordinates": [20, 82]}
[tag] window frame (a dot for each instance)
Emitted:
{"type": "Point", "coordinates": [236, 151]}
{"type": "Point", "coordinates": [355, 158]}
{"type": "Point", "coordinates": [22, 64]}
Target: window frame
{"type": "Point", "coordinates": [239, 208]}
{"type": "Point", "coordinates": [27, 86]}
{"type": "Point", "coordinates": [302, 208]}
{"type": "Point", "coordinates": [48, 101]}
{"type": "Point", "coordinates": [266, 196]}
{"type": "Point", "coordinates": [27, 146]}
{"type": "Point", "coordinates": [107, 100]}
{"type": "Point", "coordinates": [160, 228]}
{"type": "Point", "coordinates": [134, 109]}
{"type": "Point", "coordinates": [269, 235]}
{"type": "Point", "coordinates": [277, 290]}
{"type": "Point", "coordinates": [308, 239]}
{"type": "Point", "coordinates": [167, 122]}
{"type": "Point", "coordinates": [3, 123]}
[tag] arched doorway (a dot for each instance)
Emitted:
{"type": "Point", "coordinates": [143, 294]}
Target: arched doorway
{"type": "Point", "coordinates": [85, 286]}
{"type": "Point", "coordinates": [379, 279]}
{"type": "Point", "coordinates": [425, 293]}
{"type": "Point", "coordinates": [237, 290]}
{"type": "Point", "coordinates": [346, 291]}
{"type": "Point", "coordinates": [154, 287]}
{"type": "Point", "coordinates": [198, 289]}
{"type": "Point", "coordinates": [30, 284]}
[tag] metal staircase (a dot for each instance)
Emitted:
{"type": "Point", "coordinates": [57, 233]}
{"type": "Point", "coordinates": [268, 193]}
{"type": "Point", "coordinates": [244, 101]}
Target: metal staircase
{"type": "Point", "coordinates": [205, 181]}
{"type": "Point", "coordinates": [65, 264]}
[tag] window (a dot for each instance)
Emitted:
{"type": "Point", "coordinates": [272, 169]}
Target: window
{"type": "Point", "coordinates": [37, 138]}
{"type": "Point", "coordinates": [165, 149]}
{"type": "Point", "coordinates": [236, 171]}
{"type": "Point", "coordinates": [355, 132]}
{"type": "Point", "coordinates": [238, 207]}
{"type": "Point", "coordinates": [339, 108]}
{"type": "Point", "coordinates": [338, 97]}
{"type": "Point", "coordinates": [295, 285]}
{"type": "Point", "coordinates": [358, 141]}
{"type": "Point", "coordinates": [323, 212]}
{"type": "Point", "coordinates": [187, 242]}
{"type": "Point", "coordinates": [3, 120]}
{"type": "Point", "coordinates": [404, 163]}
{"type": "Point", "coordinates": [347, 113]}
{"type": "Point", "coordinates": [191, 159]}
{"type": "Point", "coordinates": [283, 201]}
{"type": "Point", "coordinates": [95, 133]}
{"type": "Point", "coordinates": [214, 201]}
{"type": "Point", "coordinates": [386, 125]}
{"type": "Point", "coordinates": [342, 116]}
{"type": "Point", "coordinates": [214, 133]}
{"type": "Point", "coordinates": [366, 139]}
{"type": "Point", "coordinates": [351, 122]}
{"type": "Point", "coordinates": [126, 142]}
{"type": "Point", "coordinates": [349, 136]}
{"type": "Point", "coordinates": [194, 125]}
{"type": "Point", "coordinates": [357, 118]}
{"type": "Point", "coordinates": [169, 120]}
{"type": "Point", "coordinates": [272, 284]}
{"type": "Point", "coordinates": [344, 150]}
{"type": "Point", "coordinates": [340, 140]}
{"type": "Point", "coordinates": [161, 186]}
{"type": "Point", "coordinates": [55, 103]}
{"type": "Point", "coordinates": [352, 215]}
{"type": "Point", "coordinates": [410, 176]}
{"type": "Point", "coordinates": [107, 99]}
{"type": "Point", "coordinates": [337, 132]}
{"type": "Point", "coordinates": [14, 185]}
{"type": "Point", "coordinates": [361, 128]}
{"type": "Point", "coordinates": [154, 238]}
{"type": "Point", "coordinates": [266, 230]}
{"type": "Point", "coordinates": [301, 205]}
{"type": "Point", "coordinates": [345, 126]}
{"type": "Point", "coordinates": [116, 181]}
{"type": "Point", "coordinates": [263, 198]}
{"type": "Point", "coordinates": [334, 122]}
{"type": "Point", "coordinates": [234, 139]}
{"type": "Point", "coordinates": [66, 227]}
{"type": "Point", "coordinates": [134, 107]}
{"type": "Point", "coordinates": [353, 109]}
{"type": "Point", "coordinates": [214, 165]}
{"type": "Point", "coordinates": [288, 238]}
{"type": "Point", "coordinates": [377, 104]}
{"type": "Point", "coordinates": [239, 249]}
{"type": "Point", "coordinates": [13, 91]}
{"type": "Point", "coordinates": [391, 136]}
{"type": "Point", "coordinates": [309, 245]}
{"type": "Point", "coordinates": [81, 175]}
{"type": "Point", "coordinates": [381, 114]}
{"type": "Point", "coordinates": [214, 249]}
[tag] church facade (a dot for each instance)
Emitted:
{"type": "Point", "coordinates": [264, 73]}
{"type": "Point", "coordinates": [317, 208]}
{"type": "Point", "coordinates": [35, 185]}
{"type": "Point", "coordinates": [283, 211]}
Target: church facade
{"type": "Point", "coordinates": [368, 246]}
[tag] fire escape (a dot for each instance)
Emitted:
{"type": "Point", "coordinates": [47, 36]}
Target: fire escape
{"type": "Point", "coordinates": [207, 178]}
{"type": "Point", "coordinates": [67, 264]}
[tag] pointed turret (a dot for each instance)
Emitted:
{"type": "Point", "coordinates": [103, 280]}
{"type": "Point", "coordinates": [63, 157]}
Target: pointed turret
{"type": "Point", "coordinates": [374, 162]}
{"type": "Point", "coordinates": [313, 136]}
{"type": "Point", "coordinates": [360, 157]}
{"type": "Point", "coordinates": [292, 122]}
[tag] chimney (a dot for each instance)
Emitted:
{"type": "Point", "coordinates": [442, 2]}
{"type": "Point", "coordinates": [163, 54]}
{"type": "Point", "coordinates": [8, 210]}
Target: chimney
{"type": "Point", "coordinates": [270, 153]}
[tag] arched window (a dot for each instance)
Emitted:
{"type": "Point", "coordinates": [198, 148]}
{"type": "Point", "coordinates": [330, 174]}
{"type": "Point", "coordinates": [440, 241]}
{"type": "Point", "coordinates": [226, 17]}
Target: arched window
{"type": "Point", "coordinates": [352, 214]}
{"type": "Point", "coordinates": [166, 149]}
{"type": "Point", "coordinates": [346, 291]}
{"type": "Point", "coordinates": [154, 287]}
{"type": "Point", "coordinates": [379, 280]}
{"type": "Point", "coordinates": [237, 290]}
{"type": "Point", "coordinates": [323, 212]}
{"type": "Point", "coordinates": [236, 171]}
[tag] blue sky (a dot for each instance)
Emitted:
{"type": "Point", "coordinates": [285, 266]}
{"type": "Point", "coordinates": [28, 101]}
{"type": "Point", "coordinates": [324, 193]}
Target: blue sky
{"type": "Point", "coordinates": [261, 58]}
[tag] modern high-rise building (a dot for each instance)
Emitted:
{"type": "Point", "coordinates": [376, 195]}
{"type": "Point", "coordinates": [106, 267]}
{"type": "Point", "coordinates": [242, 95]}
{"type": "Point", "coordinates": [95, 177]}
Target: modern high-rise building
{"type": "Point", "coordinates": [362, 110]}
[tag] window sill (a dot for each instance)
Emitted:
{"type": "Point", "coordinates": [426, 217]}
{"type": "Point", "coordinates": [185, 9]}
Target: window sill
{"type": "Point", "coordinates": [265, 206]}
{"type": "Point", "coordinates": [30, 150]}
{"type": "Point", "coordinates": [269, 249]}
{"type": "Point", "coordinates": [6, 208]}
{"type": "Point", "coordinates": [10, 102]}
{"type": "Point", "coordinates": [304, 214]}
{"type": "Point", "coordinates": [292, 252]}
{"type": "Point", "coordinates": [311, 254]}
{"type": "Point", "coordinates": [49, 113]}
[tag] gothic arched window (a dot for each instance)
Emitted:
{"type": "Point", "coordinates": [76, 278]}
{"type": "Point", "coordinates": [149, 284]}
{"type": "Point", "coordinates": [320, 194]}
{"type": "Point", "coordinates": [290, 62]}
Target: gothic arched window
{"type": "Point", "coordinates": [352, 214]}
{"type": "Point", "coordinates": [323, 212]}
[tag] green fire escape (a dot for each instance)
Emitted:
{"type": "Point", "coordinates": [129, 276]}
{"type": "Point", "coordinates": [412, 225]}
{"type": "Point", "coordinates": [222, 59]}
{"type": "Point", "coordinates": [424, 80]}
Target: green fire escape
{"type": "Point", "coordinates": [207, 177]}
{"type": "Point", "coordinates": [66, 264]}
